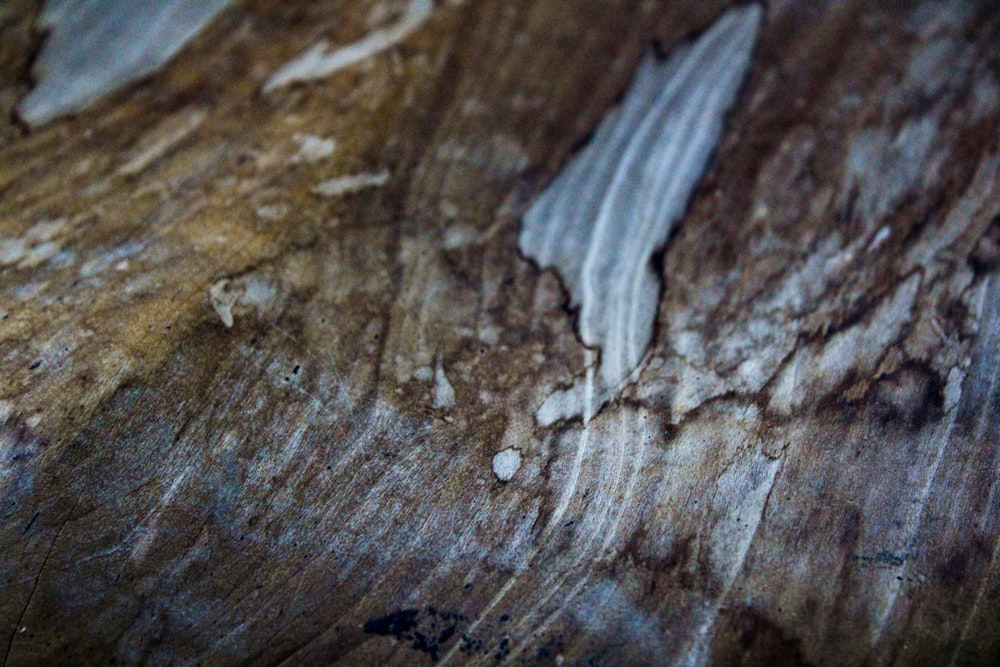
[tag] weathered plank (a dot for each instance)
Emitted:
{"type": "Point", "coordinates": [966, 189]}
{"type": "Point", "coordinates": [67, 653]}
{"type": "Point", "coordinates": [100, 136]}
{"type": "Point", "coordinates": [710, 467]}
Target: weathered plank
{"type": "Point", "coordinates": [805, 469]}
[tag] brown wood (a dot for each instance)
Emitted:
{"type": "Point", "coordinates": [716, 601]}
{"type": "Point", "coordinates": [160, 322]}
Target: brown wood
{"type": "Point", "coordinates": [806, 471]}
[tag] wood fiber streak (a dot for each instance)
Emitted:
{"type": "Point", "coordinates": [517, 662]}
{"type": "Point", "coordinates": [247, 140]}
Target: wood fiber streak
{"type": "Point", "coordinates": [803, 471]}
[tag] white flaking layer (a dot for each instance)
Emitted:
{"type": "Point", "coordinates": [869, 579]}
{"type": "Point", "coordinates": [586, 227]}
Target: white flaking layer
{"type": "Point", "coordinates": [886, 169]}
{"type": "Point", "coordinates": [96, 46]}
{"type": "Point", "coordinates": [813, 372]}
{"type": "Point", "coordinates": [313, 148]}
{"type": "Point", "coordinates": [613, 206]}
{"type": "Point", "coordinates": [506, 464]}
{"type": "Point", "coordinates": [250, 292]}
{"type": "Point", "coordinates": [335, 187]}
{"type": "Point", "coordinates": [317, 63]}
{"type": "Point", "coordinates": [444, 392]}
{"type": "Point", "coordinates": [161, 140]}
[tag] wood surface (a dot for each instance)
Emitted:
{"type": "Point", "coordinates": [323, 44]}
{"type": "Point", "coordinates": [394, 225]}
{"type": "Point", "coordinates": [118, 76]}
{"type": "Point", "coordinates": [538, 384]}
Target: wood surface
{"type": "Point", "coordinates": [805, 472]}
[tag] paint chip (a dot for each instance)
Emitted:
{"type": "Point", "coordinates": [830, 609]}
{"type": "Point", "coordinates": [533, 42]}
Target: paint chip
{"type": "Point", "coordinates": [506, 464]}
{"type": "Point", "coordinates": [161, 140]}
{"type": "Point", "coordinates": [444, 393]}
{"type": "Point", "coordinates": [6, 410]}
{"type": "Point", "coordinates": [343, 185]}
{"type": "Point", "coordinates": [96, 46]}
{"type": "Point", "coordinates": [612, 207]}
{"type": "Point", "coordinates": [318, 63]}
{"type": "Point", "coordinates": [12, 251]}
{"type": "Point", "coordinates": [313, 149]}
{"type": "Point", "coordinates": [251, 292]}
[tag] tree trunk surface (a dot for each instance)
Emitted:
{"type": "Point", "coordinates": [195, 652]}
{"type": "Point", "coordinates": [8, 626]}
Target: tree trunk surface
{"type": "Point", "coordinates": [251, 413]}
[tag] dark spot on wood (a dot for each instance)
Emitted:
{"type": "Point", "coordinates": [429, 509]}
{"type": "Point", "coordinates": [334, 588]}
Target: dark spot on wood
{"type": "Point", "coordinates": [850, 531]}
{"type": "Point", "coordinates": [955, 571]}
{"type": "Point", "coordinates": [881, 559]}
{"type": "Point", "coordinates": [913, 395]}
{"type": "Point", "coordinates": [428, 631]}
{"type": "Point", "coordinates": [985, 256]}
{"type": "Point", "coordinates": [757, 640]}
{"type": "Point", "coordinates": [31, 522]}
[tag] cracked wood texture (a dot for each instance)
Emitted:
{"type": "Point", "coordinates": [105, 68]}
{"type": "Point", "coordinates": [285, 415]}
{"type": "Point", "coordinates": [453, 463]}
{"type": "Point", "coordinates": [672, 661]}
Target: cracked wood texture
{"type": "Point", "coordinates": [804, 472]}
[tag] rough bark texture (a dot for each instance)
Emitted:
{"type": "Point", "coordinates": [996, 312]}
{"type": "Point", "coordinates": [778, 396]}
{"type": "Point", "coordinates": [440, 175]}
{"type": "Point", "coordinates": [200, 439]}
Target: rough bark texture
{"type": "Point", "coordinates": [806, 470]}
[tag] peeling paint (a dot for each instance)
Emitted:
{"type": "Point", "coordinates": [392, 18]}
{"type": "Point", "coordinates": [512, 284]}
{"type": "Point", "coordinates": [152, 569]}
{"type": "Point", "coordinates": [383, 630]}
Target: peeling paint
{"type": "Point", "coordinates": [885, 167]}
{"type": "Point", "coordinates": [37, 246]}
{"type": "Point", "coordinates": [108, 257]}
{"type": "Point", "coordinates": [313, 149]}
{"type": "Point", "coordinates": [444, 392]}
{"type": "Point", "coordinates": [499, 156]}
{"type": "Point", "coordinates": [159, 141]}
{"type": "Point", "coordinates": [506, 464]}
{"type": "Point", "coordinates": [12, 251]}
{"type": "Point", "coordinates": [318, 62]}
{"type": "Point", "coordinates": [96, 46]}
{"type": "Point", "coordinates": [605, 215]}
{"type": "Point", "coordinates": [253, 292]}
{"type": "Point", "coordinates": [343, 185]}
{"type": "Point", "coordinates": [857, 349]}
{"type": "Point", "coordinates": [273, 212]}
{"type": "Point", "coordinates": [30, 290]}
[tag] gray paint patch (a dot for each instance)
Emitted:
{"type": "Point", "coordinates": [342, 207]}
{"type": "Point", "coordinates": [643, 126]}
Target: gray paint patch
{"type": "Point", "coordinates": [97, 46]}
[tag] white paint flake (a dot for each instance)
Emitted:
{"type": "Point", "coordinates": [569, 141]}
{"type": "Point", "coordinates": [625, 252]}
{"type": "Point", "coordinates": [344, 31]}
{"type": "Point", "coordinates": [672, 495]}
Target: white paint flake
{"type": "Point", "coordinates": [6, 410]}
{"type": "Point", "coordinates": [97, 46]}
{"type": "Point", "coordinates": [103, 258]}
{"type": "Point", "coordinates": [252, 292]}
{"type": "Point", "coordinates": [506, 464]}
{"type": "Point", "coordinates": [605, 215]}
{"type": "Point", "coordinates": [12, 251]}
{"type": "Point", "coordinates": [953, 389]}
{"type": "Point", "coordinates": [886, 168]}
{"type": "Point", "coordinates": [273, 212]}
{"type": "Point", "coordinates": [343, 185]}
{"type": "Point", "coordinates": [858, 349]}
{"type": "Point", "coordinates": [444, 393]}
{"type": "Point", "coordinates": [313, 148]}
{"type": "Point", "coordinates": [880, 238]}
{"type": "Point", "coordinates": [38, 245]}
{"type": "Point", "coordinates": [223, 299]}
{"type": "Point", "coordinates": [161, 140]}
{"type": "Point", "coordinates": [318, 62]}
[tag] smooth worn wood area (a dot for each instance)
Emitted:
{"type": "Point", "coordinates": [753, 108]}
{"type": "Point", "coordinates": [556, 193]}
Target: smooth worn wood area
{"type": "Point", "coordinates": [804, 472]}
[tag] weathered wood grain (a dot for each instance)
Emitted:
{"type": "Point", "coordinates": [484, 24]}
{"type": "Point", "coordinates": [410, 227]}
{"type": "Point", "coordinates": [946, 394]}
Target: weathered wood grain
{"type": "Point", "coordinates": [805, 471]}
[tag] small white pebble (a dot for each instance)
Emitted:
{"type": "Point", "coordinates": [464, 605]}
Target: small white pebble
{"type": "Point", "coordinates": [506, 464]}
